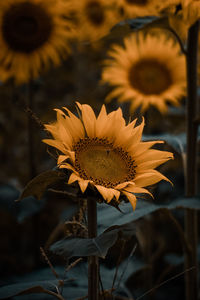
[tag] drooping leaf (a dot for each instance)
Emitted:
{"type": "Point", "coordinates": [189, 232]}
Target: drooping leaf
{"type": "Point", "coordinates": [177, 142]}
{"type": "Point", "coordinates": [111, 216]}
{"type": "Point", "coordinates": [38, 185]}
{"type": "Point", "coordinates": [70, 247]}
{"type": "Point", "coordinates": [144, 22]}
{"type": "Point", "coordinates": [27, 288]}
{"type": "Point", "coordinates": [99, 246]}
{"type": "Point", "coordinates": [191, 203]}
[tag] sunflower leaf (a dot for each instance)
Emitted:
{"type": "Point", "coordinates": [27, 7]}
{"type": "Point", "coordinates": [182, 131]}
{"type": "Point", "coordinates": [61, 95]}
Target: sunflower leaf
{"type": "Point", "coordinates": [111, 216]}
{"type": "Point", "coordinates": [22, 288]}
{"type": "Point", "coordinates": [143, 22]}
{"type": "Point", "coordinates": [99, 246]}
{"type": "Point", "coordinates": [38, 185]}
{"type": "Point", "coordinates": [177, 142]}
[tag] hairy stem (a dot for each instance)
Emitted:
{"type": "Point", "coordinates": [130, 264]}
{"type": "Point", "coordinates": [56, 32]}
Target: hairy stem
{"type": "Point", "coordinates": [93, 261]}
{"type": "Point", "coordinates": [191, 278]}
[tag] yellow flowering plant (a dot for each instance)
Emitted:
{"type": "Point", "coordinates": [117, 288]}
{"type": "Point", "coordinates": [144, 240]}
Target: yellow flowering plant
{"type": "Point", "coordinates": [147, 71]}
{"type": "Point", "coordinates": [117, 170]}
{"type": "Point", "coordinates": [34, 34]}
{"type": "Point", "coordinates": [106, 153]}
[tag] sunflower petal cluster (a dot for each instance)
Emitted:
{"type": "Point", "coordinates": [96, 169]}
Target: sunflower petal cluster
{"type": "Point", "coordinates": [106, 153]}
{"type": "Point", "coordinates": [142, 8]}
{"type": "Point", "coordinates": [34, 34]}
{"type": "Point", "coordinates": [148, 71]}
{"type": "Point", "coordinates": [93, 18]}
{"type": "Point", "coordinates": [191, 11]}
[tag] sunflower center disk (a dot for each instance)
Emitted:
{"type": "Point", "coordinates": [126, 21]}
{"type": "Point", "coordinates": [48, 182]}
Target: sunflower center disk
{"type": "Point", "coordinates": [26, 27]}
{"type": "Point", "coordinates": [97, 160]}
{"type": "Point", "coordinates": [95, 13]}
{"type": "Point", "coordinates": [150, 77]}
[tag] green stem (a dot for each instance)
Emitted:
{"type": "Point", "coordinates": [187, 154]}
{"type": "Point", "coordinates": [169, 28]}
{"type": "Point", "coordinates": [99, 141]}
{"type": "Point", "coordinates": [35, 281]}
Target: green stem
{"type": "Point", "coordinates": [191, 278]}
{"type": "Point", "coordinates": [93, 261]}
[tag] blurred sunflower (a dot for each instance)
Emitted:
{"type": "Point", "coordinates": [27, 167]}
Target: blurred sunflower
{"type": "Point", "coordinates": [33, 35]}
{"type": "Point", "coordinates": [94, 18]}
{"type": "Point", "coordinates": [148, 71]}
{"type": "Point", "coordinates": [191, 11]}
{"type": "Point", "coordinates": [106, 153]}
{"type": "Point", "coordinates": [141, 8]}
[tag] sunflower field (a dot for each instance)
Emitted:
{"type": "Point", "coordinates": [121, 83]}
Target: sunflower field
{"type": "Point", "coordinates": [99, 149]}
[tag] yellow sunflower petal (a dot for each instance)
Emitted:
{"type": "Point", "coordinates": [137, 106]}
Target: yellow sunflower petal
{"type": "Point", "coordinates": [55, 143]}
{"type": "Point", "coordinates": [89, 119]}
{"type": "Point", "coordinates": [149, 178]}
{"type": "Point", "coordinates": [61, 158]}
{"type": "Point", "coordinates": [73, 177]}
{"type": "Point", "coordinates": [101, 122]}
{"type": "Point", "coordinates": [74, 125]}
{"type": "Point", "coordinates": [83, 185]}
{"type": "Point", "coordinates": [152, 164]}
{"type": "Point", "coordinates": [132, 198]}
{"type": "Point", "coordinates": [152, 155]}
{"type": "Point", "coordinates": [107, 193]}
{"type": "Point", "coordinates": [137, 190]}
{"type": "Point", "coordinates": [139, 149]}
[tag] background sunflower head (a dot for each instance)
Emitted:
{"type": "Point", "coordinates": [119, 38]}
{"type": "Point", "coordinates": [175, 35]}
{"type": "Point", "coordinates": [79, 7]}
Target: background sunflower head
{"type": "Point", "coordinates": [105, 153]}
{"type": "Point", "coordinates": [33, 35]}
{"type": "Point", "coordinates": [93, 18]}
{"type": "Point", "coordinates": [141, 8]}
{"type": "Point", "coordinates": [190, 11]}
{"type": "Point", "coordinates": [148, 70]}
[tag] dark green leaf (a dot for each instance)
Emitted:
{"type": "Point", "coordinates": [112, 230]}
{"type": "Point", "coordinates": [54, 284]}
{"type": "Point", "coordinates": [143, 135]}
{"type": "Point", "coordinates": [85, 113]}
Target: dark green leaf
{"type": "Point", "coordinates": [157, 23]}
{"type": "Point", "coordinates": [111, 216]}
{"type": "Point", "coordinates": [99, 246]}
{"type": "Point", "coordinates": [38, 185]}
{"type": "Point", "coordinates": [177, 142]}
{"type": "Point", "coordinates": [192, 203]}
{"type": "Point", "coordinates": [27, 288]}
{"type": "Point", "coordinates": [70, 247]}
{"type": "Point", "coordinates": [143, 22]}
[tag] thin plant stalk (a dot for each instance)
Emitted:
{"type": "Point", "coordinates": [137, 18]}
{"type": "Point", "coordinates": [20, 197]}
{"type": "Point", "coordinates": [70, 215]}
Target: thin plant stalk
{"type": "Point", "coordinates": [32, 166]}
{"type": "Point", "coordinates": [93, 261]}
{"type": "Point", "coordinates": [191, 278]}
{"type": "Point", "coordinates": [31, 144]}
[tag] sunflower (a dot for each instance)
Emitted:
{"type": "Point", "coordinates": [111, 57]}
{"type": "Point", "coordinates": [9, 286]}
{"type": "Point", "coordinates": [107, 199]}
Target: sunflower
{"type": "Point", "coordinates": [106, 153]}
{"type": "Point", "coordinates": [94, 18]}
{"type": "Point", "coordinates": [33, 34]}
{"type": "Point", "coordinates": [149, 70]}
{"type": "Point", "coordinates": [141, 8]}
{"type": "Point", "coordinates": [191, 11]}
